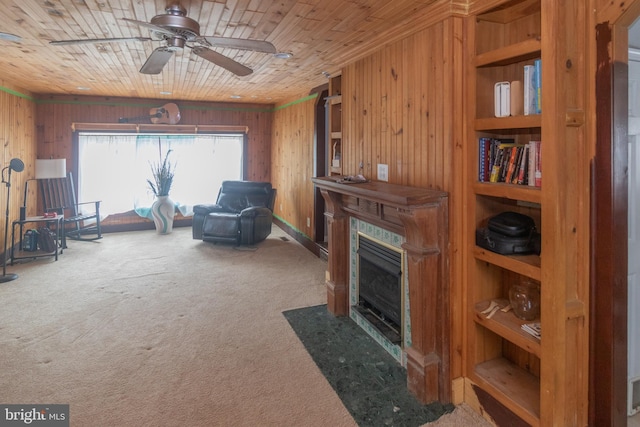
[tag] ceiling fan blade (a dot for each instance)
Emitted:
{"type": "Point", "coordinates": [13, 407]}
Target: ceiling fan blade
{"type": "Point", "coordinates": [246, 44]}
{"type": "Point", "coordinates": [222, 61]}
{"type": "Point", "coordinates": [156, 61]}
{"type": "Point", "coordinates": [151, 27]}
{"type": "Point", "coordinates": [107, 40]}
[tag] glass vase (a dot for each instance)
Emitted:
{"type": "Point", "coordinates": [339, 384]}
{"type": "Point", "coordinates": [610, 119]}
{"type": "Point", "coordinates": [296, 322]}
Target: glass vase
{"type": "Point", "coordinates": [525, 299]}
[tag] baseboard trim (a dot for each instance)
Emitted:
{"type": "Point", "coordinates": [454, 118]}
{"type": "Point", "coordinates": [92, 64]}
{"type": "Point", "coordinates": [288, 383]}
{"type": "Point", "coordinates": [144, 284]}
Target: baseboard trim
{"type": "Point", "coordinates": [305, 241]}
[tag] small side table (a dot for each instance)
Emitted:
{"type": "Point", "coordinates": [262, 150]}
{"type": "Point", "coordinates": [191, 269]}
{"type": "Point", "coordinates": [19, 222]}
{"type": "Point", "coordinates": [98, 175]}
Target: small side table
{"type": "Point", "coordinates": [37, 221]}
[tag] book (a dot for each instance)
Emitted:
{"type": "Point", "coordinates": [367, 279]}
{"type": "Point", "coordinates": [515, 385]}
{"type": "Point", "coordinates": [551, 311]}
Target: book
{"type": "Point", "coordinates": [484, 151]}
{"type": "Point", "coordinates": [500, 159]}
{"type": "Point", "coordinates": [511, 164]}
{"type": "Point", "coordinates": [493, 148]}
{"type": "Point", "coordinates": [528, 90]}
{"type": "Point", "coordinates": [538, 169]}
{"type": "Point", "coordinates": [538, 85]}
{"type": "Point", "coordinates": [534, 170]}
{"type": "Point", "coordinates": [524, 162]}
{"type": "Point", "coordinates": [504, 167]}
{"type": "Point", "coordinates": [516, 103]}
{"type": "Point", "coordinates": [531, 164]}
{"type": "Point", "coordinates": [502, 99]}
{"type": "Point", "coordinates": [488, 148]}
{"type": "Point", "coordinates": [516, 166]}
{"type": "Point", "coordinates": [495, 166]}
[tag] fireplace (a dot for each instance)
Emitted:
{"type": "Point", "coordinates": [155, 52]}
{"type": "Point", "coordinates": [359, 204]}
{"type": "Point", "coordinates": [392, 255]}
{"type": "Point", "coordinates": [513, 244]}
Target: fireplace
{"type": "Point", "coordinates": [379, 286]}
{"type": "Point", "coordinates": [380, 290]}
{"type": "Point", "coordinates": [418, 218]}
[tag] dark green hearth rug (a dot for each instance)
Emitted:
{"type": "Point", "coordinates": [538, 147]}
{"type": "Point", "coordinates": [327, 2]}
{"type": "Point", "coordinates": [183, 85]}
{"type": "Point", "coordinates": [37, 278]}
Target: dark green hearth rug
{"type": "Point", "coordinates": [370, 382]}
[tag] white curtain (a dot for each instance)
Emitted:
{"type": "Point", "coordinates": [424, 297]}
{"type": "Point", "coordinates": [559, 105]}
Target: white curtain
{"type": "Point", "coordinates": [114, 168]}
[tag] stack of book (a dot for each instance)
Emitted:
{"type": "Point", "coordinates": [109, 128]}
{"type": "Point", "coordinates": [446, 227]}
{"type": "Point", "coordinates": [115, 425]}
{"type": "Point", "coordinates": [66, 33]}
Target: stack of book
{"type": "Point", "coordinates": [504, 160]}
{"type": "Point", "coordinates": [532, 329]}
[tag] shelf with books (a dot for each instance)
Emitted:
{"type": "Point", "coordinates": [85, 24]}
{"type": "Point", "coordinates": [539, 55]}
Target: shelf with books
{"type": "Point", "coordinates": [511, 375]}
{"type": "Point", "coordinates": [507, 161]}
{"type": "Point", "coordinates": [504, 359]}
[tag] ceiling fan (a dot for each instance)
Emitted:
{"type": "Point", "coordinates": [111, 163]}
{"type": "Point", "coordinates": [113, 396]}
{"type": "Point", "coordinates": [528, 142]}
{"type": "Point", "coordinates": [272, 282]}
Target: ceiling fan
{"type": "Point", "coordinates": [177, 31]}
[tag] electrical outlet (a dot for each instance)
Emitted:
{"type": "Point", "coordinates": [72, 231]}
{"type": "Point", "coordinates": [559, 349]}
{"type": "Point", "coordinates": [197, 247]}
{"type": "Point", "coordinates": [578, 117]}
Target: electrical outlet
{"type": "Point", "coordinates": [383, 172]}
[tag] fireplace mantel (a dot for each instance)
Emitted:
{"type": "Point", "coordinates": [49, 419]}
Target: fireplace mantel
{"type": "Point", "coordinates": [421, 216]}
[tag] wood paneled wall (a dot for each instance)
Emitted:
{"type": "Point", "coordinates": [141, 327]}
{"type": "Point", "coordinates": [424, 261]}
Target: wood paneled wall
{"type": "Point", "coordinates": [292, 163]}
{"type": "Point", "coordinates": [402, 106]}
{"type": "Point", "coordinates": [55, 116]}
{"type": "Point", "coordinates": [17, 130]}
{"type": "Point", "coordinates": [398, 107]}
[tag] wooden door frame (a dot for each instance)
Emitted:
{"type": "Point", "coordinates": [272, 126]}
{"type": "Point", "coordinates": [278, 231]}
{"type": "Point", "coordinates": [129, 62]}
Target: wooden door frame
{"type": "Point", "coordinates": [609, 228]}
{"type": "Point", "coordinates": [320, 160]}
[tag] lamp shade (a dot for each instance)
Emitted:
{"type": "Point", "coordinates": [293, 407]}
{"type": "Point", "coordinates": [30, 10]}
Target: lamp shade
{"type": "Point", "coordinates": [51, 168]}
{"type": "Point", "coordinates": [16, 165]}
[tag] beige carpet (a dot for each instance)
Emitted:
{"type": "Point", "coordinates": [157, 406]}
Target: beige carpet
{"type": "Point", "coordinates": [140, 329]}
{"type": "Point", "coordinates": [462, 416]}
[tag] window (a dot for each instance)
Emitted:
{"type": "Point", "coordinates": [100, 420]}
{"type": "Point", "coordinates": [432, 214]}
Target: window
{"type": "Point", "coordinates": [114, 168]}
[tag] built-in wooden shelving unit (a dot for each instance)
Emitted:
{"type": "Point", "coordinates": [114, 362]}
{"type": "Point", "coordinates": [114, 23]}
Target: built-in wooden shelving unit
{"type": "Point", "coordinates": [334, 107]}
{"type": "Point", "coordinates": [540, 381]}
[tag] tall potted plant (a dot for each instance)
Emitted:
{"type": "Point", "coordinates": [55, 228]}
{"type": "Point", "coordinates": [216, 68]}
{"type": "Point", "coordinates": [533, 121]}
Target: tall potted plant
{"type": "Point", "coordinates": [163, 208]}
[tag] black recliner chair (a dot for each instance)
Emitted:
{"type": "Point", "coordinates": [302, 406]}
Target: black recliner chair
{"type": "Point", "coordinates": [242, 215]}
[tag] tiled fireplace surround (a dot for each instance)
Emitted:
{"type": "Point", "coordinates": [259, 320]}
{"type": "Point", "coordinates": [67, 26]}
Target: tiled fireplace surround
{"type": "Point", "coordinates": [393, 240]}
{"type": "Point", "coordinates": [420, 217]}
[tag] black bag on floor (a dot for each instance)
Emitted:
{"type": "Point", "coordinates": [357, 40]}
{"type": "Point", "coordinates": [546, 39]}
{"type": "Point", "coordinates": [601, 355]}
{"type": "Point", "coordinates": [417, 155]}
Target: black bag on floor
{"type": "Point", "coordinates": [46, 240]}
{"type": "Point", "coordinates": [509, 233]}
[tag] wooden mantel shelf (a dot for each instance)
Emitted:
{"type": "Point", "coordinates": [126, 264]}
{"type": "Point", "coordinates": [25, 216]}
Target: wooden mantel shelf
{"type": "Point", "coordinates": [421, 216]}
{"type": "Point", "coordinates": [400, 196]}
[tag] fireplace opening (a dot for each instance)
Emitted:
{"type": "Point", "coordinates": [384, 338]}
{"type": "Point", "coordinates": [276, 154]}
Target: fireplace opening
{"type": "Point", "coordinates": [380, 287]}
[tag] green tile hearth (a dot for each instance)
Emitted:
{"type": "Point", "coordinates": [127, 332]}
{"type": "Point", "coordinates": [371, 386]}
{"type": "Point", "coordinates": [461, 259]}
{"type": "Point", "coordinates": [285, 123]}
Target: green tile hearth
{"type": "Point", "coordinates": [370, 382]}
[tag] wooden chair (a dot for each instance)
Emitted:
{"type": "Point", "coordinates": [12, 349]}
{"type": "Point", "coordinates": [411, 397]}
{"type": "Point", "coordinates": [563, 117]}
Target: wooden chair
{"type": "Point", "coordinates": [58, 195]}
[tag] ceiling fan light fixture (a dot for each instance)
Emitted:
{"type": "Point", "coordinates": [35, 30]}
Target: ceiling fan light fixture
{"type": "Point", "coordinates": [283, 55]}
{"type": "Point", "coordinates": [10, 37]}
{"type": "Point", "coordinates": [178, 31]}
{"type": "Point", "coordinates": [175, 43]}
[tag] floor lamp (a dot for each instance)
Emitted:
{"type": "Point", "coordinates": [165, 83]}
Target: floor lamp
{"type": "Point", "coordinates": [14, 165]}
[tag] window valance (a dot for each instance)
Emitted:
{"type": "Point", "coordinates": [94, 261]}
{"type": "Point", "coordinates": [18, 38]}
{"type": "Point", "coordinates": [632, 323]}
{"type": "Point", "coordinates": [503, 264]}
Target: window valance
{"type": "Point", "coordinates": [157, 128]}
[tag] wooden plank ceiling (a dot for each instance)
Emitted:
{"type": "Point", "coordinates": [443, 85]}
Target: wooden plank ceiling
{"type": "Point", "coordinates": [322, 35]}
